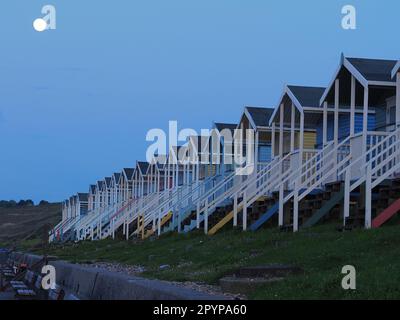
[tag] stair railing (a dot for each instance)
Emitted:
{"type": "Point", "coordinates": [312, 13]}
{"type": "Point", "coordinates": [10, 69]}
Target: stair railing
{"type": "Point", "coordinates": [324, 165]}
{"type": "Point", "coordinates": [176, 199]}
{"type": "Point", "coordinates": [234, 186]}
{"type": "Point", "coordinates": [380, 162]}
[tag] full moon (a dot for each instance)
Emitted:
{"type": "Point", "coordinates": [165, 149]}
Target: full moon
{"type": "Point", "coordinates": [39, 25]}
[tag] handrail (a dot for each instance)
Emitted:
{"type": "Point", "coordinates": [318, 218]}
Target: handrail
{"type": "Point", "coordinates": [370, 152]}
{"type": "Point", "coordinates": [240, 188]}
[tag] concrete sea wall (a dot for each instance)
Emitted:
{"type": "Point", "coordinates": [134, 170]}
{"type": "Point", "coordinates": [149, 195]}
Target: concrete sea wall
{"type": "Point", "coordinates": [97, 284]}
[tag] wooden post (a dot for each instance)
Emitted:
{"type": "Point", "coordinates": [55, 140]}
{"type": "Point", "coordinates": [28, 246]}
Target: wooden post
{"type": "Point", "coordinates": [368, 197]}
{"type": "Point", "coordinates": [398, 98]}
{"type": "Point", "coordinates": [352, 106]}
{"type": "Point", "coordinates": [281, 130]}
{"type": "Point", "coordinates": [301, 142]}
{"type": "Point", "coordinates": [198, 215]}
{"type": "Point", "coordinates": [365, 119]}
{"type": "Point", "coordinates": [296, 206]}
{"type": "Point", "coordinates": [281, 196]}
{"type": "Point", "coordinates": [244, 211]}
{"type": "Point", "coordinates": [336, 117]}
{"type": "Point", "coordinates": [292, 132]}
{"type": "Point", "coordinates": [206, 218]}
{"type": "Point", "coordinates": [159, 223]}
{"type": "Point", "coordinates": [256, 160]}
{"type": "Point", "coordinates": [325, 125]}
{"type": "Point", "coordinates": [235, 210]}
{"type": "Point", "coordinates": [346, 209]}
{"type": "Point", "coordinates": [273, 140]}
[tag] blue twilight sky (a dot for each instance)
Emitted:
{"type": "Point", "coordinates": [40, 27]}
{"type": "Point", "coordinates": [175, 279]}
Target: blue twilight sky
{"type": "Point", "coordinates": [76, 102]}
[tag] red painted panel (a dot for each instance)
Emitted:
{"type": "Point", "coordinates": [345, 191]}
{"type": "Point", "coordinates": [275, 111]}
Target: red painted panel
{"type": "Point", "coordinates": [386, 214]}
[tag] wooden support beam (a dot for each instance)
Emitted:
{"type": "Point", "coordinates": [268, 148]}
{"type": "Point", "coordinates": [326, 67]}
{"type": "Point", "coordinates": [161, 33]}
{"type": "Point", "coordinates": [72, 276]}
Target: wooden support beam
{"type": "Point", "coordinates": [273, 140]}
{"type": "Point", "coordinates": [352, 105]}
{"type": "Point", "coordinates": [301, 142]}
{"type": "Point", "coordinates": [336, 117]}
{"type": "Point", "coordinates": [325, 125]}
{"type": "Point", "coordinates": [365, 119]}
{"type": "Point", "coordinates": [292, 127]}
{"type": "Point", "coordinates": [398, 98]}
{"type": "Point", "coordinates": [282, 109]}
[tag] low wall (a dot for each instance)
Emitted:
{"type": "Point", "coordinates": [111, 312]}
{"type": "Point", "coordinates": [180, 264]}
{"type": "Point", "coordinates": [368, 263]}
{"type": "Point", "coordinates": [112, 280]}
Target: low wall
{"type": "Point", "coordinates": [98, 284]}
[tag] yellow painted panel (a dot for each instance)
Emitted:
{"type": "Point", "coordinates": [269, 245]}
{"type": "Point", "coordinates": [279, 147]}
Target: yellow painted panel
{"type": "Point", "coordinates": [228, 218]}
{"type": "Point", "coordinates": [164, 220]}
{"type": "Point", "coordinates": [310, 140]}
{"type": "Point", "coordinates": [220, 224]}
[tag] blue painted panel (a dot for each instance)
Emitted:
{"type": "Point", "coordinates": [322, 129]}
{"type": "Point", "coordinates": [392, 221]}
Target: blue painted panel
{"type": "Point", "coordinates": [264, 153]}
{"type": "Point", "coordinates": [344, 126]}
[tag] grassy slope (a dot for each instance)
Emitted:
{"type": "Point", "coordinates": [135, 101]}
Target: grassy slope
{"type": "Point", "coordinates": [27, 226]}
{"type": "Point", "coordinates": [321, 252]}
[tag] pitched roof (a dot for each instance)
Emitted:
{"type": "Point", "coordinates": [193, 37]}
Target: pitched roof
{"type": "Point", "coordinates": [222, 126]}
{"type": "Point", "coordinates": [143, 166]}
{"type": "Point", "coordinates": [129, 172]}
{"type": "Point", "coordinates": [365, 71]}
{"type": "Point", "coordinates": [83, 196]}
{"type": "Point", "coordinates": [260, 116]}
{"type": "Point", "coordinates": [307, 96]}
{"type": "Point", "coordinates": [100, 184]}
{"type": "Point", "coordinates": [107, 181]}
{"type": "Point", "coordinates": [374, 69]}
{"type": "Point", "coordinates": [92, 188]}
{"type": "Point", "coordinates": [116, 176]}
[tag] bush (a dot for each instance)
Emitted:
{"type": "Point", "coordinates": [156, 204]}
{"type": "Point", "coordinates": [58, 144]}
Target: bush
{"type": "Point", "coordinates": [8, 204]}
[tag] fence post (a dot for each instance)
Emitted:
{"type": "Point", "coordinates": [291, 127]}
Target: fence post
{"type": "Point", "coordinates": [296, 206]}
{"type": "Point", "coordinates": [206, 218]}
{"type": "Point", "coordinates": [245, 211]}
{"type": "Point", "coordinates": [346, 209]}
{"type": "Point", "coordinates": [368, 191]}
{"type": "Point", "coordinates": [198, 215]}
{"type": "Point", "coordinates": [281, 194]}
{"type": "Point", "coordinates": [235, 210]}
{"type": "Point", "coordinates": [159, 222]}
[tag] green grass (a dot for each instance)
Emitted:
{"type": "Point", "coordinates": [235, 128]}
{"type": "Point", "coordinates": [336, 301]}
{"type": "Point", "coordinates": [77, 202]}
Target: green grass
{"type": "Point", "coordinates": [321, 252]}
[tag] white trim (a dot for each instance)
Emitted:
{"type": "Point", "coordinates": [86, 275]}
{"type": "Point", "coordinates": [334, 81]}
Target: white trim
{"type": "Point", "coordinates": [292, 126]}
{"type": "Point", "coordinates": [343, 63]}
{"type": "Point", "coordinates": [281, 132]}
{"type": "Point", "coordinates": [357, 74]}
{"type": "Point", "coordinates": [292, 97]}
{"type": "Point", "coordinates": [250, 118]}
{"type": "Point", "coordinates": [352, 105]}
{"type": "Point", "coordinates": [325, 124]}
{"type": "Point", "coordinates": [336, 113]}
{"type": "Point", "coordinates": [398, 98]}
{"type": "Point", "coordinates": [321, 110]}
{"type": "Point", "coordinates": [395, 69]}
{"type": "Point", "coordinates": [382, 83]}
{"type": "Point", "coordinates": [294, 100]}
{"type": "Point", "coordinates": [365, 119]}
